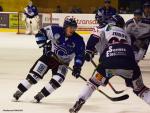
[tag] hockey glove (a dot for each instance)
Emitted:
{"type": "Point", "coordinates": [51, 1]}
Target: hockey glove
{"type": "Point", "coordinates": [47, 51]}
{"type": "Point", "coordinates": [41, 38]}
{"type": "Point", "coordinates": [88, 56]}
{"type": "Point", "coordinates": [76, 71]}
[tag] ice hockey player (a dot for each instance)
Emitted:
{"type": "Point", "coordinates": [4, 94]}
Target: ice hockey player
{"type": "Point", "coordinates": [31, 19]}
{"type": "Point", "coordinates": [146, 10]}
{"type": "Point", "coordinates": [117, 58]}
{"type": "Point", "coordinates": [66, 45]}
{"type": "Point", "coordinates": [139, 30]}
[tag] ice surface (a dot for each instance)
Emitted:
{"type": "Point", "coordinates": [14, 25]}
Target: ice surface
{"type": "Point", "coordinates": [17, 55]}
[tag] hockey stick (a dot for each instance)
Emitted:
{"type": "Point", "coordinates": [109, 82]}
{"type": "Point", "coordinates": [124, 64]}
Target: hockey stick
{"type": "Point", "coordinates": [123, 97]}
{"type": "Point", "coordinates": [117, 92]}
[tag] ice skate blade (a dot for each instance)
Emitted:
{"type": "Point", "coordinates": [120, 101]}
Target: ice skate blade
{"type": "Point", "coordinates": [72, 111]}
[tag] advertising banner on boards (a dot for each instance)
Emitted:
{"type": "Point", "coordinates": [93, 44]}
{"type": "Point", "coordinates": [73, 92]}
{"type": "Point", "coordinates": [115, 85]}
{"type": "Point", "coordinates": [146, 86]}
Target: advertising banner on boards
{"type": "Point", "coordinates": [4, 20]}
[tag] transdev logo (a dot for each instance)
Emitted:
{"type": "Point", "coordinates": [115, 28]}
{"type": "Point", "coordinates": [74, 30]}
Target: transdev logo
{"type": "Point", "coordinates": [82, 21]}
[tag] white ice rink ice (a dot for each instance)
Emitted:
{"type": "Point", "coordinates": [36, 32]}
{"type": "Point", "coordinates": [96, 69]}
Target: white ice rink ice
{"type": "Point", "coordinates": [19, 52]}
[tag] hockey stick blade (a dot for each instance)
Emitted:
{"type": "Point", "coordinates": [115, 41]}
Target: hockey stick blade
{"type": "Point", "coordinates": [117, 92]}
{"type": "Point", "coordinates": [114, 99]}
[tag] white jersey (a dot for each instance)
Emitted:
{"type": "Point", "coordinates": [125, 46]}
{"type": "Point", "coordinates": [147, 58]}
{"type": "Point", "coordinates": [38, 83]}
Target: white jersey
{"type": "Point", "coordinates": [139, 29]}
{"type": "Point", "coordinates": [105, 35]}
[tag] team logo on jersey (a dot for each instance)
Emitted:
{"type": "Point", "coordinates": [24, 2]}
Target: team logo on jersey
{"type": "Point", "coordinates": [115, 52]}
{"type": "Point", "coordinates": [60, 50]}
{"type": "Point", "coordinates": [57, 36]}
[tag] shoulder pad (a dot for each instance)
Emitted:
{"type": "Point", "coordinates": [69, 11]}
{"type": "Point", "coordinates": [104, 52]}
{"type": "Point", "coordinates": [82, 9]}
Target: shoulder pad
{"type": "Point", "coordinates": [77, 35]}
{"type": "Point", "coordinates": [146, 20]}
{"type": "Point", "coordinates": [129, 22]}
{"type": "Point", "coordinates": [56, 27]}
{"type": "Point", "coordinates": [101, 8]}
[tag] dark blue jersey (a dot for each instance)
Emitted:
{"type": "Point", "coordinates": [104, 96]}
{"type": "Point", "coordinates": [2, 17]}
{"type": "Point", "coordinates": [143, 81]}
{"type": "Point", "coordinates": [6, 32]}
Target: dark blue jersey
{"type": "Point", "coordinates": [108, 12]}
{"type": "Point", "coordinates": [66, 48]}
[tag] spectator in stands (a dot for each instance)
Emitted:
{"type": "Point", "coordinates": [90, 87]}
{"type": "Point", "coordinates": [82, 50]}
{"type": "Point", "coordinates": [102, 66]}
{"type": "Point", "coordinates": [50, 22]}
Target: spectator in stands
{"type": "Point", "coordinates": [122, 10]}
{"type": "Point", "coordinates": [128, 10]}
{"type": "Point", "coordinates": [76, 10]}
{"type": "Point", "coordinates": [146, 10]}
{"type": "Point", "coordinates": [107, 9]}
{"type": "Point", "coordinates": [125, 10]}
{"type": "Point", "coordinates": [1, 9]}
{"type": "Point", "coordinates": [79, 10]}
{"type": "Point", "coordinates": [58, 9]}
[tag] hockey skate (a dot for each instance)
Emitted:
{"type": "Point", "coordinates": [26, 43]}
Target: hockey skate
{"type": "Point", "coordinates": [17, 95]}
{"type": "Point", "coordinates": [146, 96]}
{"type": "Point", "coordinates": [38, 97]}
{"type": "Point", "coordinates": [77, 106]}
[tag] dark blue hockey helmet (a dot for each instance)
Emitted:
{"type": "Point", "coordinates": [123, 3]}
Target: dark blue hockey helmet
{"type": "Point", "coordinates": [118, 20]}
{"type": "Point", "coordinates": [138, 12]}
{"type": "Point", "coordinates": [70, 22]}
{"type": "Point", "coordinates": [99, 16]}
{"type": "Point", "coordinates": [147, 4]}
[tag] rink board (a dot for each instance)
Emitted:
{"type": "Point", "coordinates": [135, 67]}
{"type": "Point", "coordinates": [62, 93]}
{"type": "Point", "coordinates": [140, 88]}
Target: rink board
{"type": "Point", "coordinates": [12, 21]}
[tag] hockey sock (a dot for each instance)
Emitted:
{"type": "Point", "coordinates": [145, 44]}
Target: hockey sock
{"type": "Point", "coordinates": [24, 86]}
{"type": "Point", "coordinates": [87, 91]}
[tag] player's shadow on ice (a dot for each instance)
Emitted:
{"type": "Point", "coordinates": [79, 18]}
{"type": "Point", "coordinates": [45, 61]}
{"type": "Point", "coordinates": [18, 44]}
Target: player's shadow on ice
{"type": "Point", "coordinates": [62, 104]}
{"type": "Point", "coordinates": [128, 112]}
{"type": "Point", "coordinates": [66, 105]}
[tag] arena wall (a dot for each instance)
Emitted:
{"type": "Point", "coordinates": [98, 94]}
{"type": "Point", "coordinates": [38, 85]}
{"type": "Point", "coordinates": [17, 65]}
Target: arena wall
{"type": "Point", "coordinates": [12, 21]}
